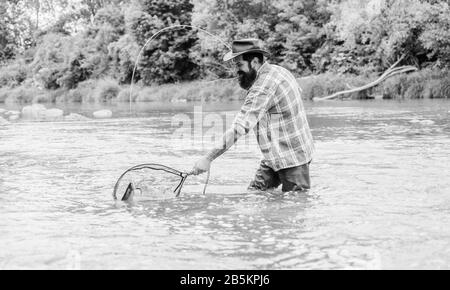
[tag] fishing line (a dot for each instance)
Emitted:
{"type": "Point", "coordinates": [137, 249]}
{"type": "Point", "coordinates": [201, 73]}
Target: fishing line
{"type": "Point", "coordinates": [206, 181]}
{"type": "Point", "coordinates": [157, 34]}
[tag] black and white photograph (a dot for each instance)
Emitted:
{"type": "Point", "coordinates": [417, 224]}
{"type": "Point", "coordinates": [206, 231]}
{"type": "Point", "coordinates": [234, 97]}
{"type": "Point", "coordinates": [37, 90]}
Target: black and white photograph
{"type": "Point", "coordinates": [224, 135]}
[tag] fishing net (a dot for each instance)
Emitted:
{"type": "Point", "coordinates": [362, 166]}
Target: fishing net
{"type": "Point", "coordinates": [149, 181]}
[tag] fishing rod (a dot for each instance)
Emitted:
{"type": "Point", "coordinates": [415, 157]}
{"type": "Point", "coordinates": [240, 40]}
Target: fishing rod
{"type": "Point", "coordinates": [157, 34]}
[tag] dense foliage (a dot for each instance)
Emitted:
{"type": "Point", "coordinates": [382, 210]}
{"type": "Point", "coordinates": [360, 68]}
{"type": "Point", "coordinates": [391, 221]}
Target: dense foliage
{"type": "Point", "coordinates": [60, 44]}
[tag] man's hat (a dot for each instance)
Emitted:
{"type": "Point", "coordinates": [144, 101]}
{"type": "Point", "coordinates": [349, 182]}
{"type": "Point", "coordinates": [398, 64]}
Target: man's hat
{"type": "Point", "coordinates": [242, 46]}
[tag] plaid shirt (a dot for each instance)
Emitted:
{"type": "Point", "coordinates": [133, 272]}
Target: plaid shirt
{"type": "Point", "coordinates": [274, 108]}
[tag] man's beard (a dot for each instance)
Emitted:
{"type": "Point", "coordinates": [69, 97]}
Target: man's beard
{"type": "Point", "coordinates": [246, 79]}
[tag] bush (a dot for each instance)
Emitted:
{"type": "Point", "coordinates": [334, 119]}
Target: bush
{"type": "Point", "coordinates": [414, 91]}
{"type": "Point", "coordinates": [23, 95]}
{"type": "Point", "coordinates": [42, 98]}
{"type": "Point", "coordinates": [326, 84]}
{"type": "Point", "coordinates": [219, 90]}
{"type": "Point", "coordinates": [52, 96]}
{"type": "Point", "coordinates": [158, 93]}
{"type": "Point", "coordinates": [76, 72]}
{"type": "Point", "coordinates": [207, 93]}
{"type": "Point", "coordinates": [147, 94]}
{"type": "Point", "coordinates": [191, 91]}
{"type": "Point", "coordinates": [435, 89]}
{"type": "Point", "coordinates": [74, 95]}
{"type": "Point", "coordinates": [392, 88]}
{"type": "Point", "coordinates": [124, 94]}
{"type": "Point", "coordinates": [106, 90]}
{"type": "Point", "coordinates": [91, 91]}
{"type": "Point", "coordinates": [13, 74]}
{"type": "Point", "coordinates": [4, 92]}
{"type": "Point", "coordinates": [49, 60]}
{"type": "Point", "coordinates": [49, 77]}
{"type": "Point", "coordinates": [230, 92]}
{"type": "Point", "coordinates": [422, 84]}
{"type": "Point", "coordinates": [445, 89]}
{"type": "Point", "coordinates": [82, 93]}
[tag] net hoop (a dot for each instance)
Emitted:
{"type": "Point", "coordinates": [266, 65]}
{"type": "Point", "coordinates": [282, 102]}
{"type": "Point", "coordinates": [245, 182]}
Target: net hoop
{"type": "Point", "coordinates": [153, 166]}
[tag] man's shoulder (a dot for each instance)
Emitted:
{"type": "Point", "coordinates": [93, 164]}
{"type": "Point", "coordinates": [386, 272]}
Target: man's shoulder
{"type": "Point", "coordinates": [276, 72]}
{"type": "Point", "coordinates": [282, 70]}
{"type": "Point", "coordinates": [268, 68]}
{"type": "Point", "coordinates": [271, 76]}
{"type": "Point", "coordinates": [268, 73]}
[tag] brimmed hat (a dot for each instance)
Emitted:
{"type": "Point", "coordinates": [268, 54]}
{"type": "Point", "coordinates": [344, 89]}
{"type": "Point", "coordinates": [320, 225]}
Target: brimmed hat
{"type": "Point", "coordinates": [242, 46]}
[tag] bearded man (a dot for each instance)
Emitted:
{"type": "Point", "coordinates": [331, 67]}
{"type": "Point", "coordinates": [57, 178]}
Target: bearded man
{"type": "Point", "coordinates": [274, 109]}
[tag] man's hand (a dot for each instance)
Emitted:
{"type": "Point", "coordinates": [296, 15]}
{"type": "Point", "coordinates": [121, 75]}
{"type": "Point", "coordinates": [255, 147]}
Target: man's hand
{"type": "Point", "coordinates": [201, 166]}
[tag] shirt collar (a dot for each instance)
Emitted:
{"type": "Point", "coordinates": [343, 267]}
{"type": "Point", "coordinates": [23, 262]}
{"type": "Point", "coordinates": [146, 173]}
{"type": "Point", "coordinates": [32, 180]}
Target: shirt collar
{"type": "Point", "coordinates": [264, 67]}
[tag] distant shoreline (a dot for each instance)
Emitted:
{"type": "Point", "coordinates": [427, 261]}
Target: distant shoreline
{"type": "Point", "coordinates": [422, 84]}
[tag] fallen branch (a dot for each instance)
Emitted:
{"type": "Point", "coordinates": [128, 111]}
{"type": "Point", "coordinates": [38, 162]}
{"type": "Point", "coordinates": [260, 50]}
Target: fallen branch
{"type": "Point", "coordinates": [388, 73]}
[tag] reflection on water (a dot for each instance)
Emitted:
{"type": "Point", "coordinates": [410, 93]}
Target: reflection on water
{"type": "Point", "coordinates": [380, 196]}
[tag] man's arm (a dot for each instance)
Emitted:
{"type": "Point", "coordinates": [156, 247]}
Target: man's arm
{"type": "Point", "coordinates": [256, 104]}
{"type": "Point", "coordinates": [229, 138]}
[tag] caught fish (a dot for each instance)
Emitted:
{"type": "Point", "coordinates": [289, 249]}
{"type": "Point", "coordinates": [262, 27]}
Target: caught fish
{"type": "Point", "coordinates": [129, 192]}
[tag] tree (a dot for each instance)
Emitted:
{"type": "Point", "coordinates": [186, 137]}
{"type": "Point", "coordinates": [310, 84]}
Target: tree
{"type": "Point", "coordinates": [300, 31]}
{"type": "Point", "coordinates": [7, 43]}
{"type": "Point", "coordinates": [368, 36]}
{"type": "Point", "coordinates": [291, 30]}
{"type": "Point", "coordinates": [353, 36]}
{"type": "Point", "coordinates": [167, 58]}
{"type": "Point", "coordinates": [15, 32]}
{"type": "Point", "coordinates": [436, 33]}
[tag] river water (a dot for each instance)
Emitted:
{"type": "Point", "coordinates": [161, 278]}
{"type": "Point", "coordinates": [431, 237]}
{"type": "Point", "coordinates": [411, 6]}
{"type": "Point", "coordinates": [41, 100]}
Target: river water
{"type": "Point", "coordinates": [380, 196]}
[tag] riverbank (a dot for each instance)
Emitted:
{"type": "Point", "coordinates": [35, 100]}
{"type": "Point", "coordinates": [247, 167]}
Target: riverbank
{"type": "Point", "coordinates": [422, 84]}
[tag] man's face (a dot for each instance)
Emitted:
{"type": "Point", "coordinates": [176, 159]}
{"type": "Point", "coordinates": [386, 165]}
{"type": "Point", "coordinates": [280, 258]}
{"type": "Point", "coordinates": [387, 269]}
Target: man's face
{"type": "Point", "coordinates": [246, 73]}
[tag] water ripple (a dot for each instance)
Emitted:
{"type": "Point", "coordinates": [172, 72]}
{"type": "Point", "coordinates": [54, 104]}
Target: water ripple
{"type": "Point", "coordinates": [379, 199]}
